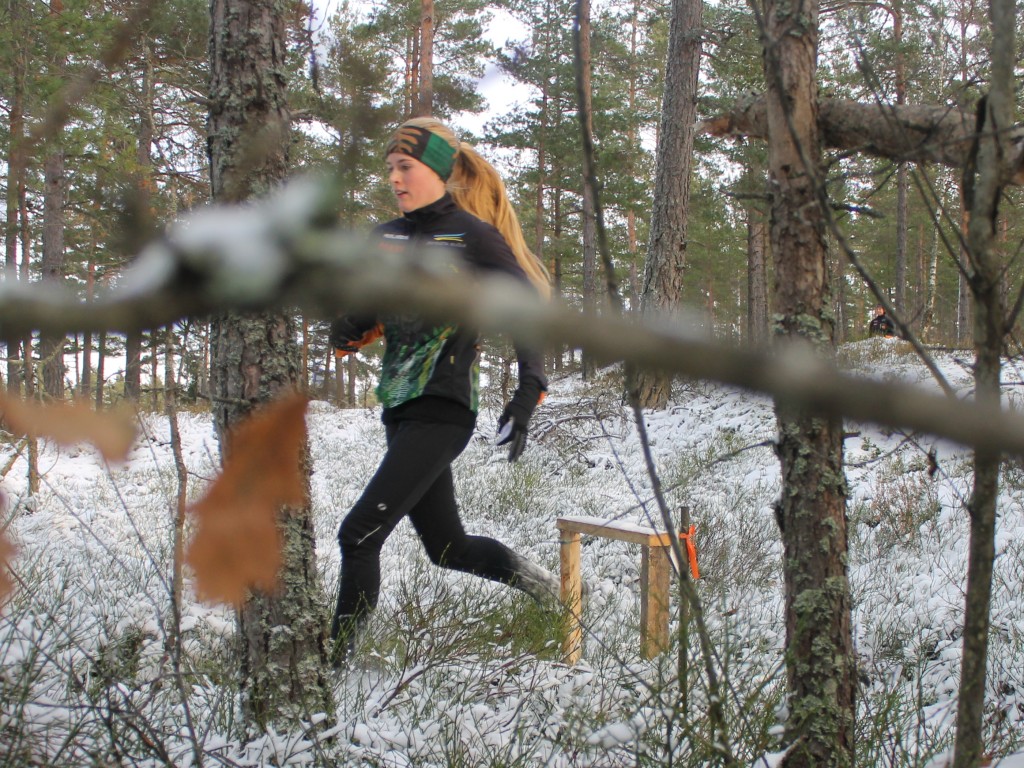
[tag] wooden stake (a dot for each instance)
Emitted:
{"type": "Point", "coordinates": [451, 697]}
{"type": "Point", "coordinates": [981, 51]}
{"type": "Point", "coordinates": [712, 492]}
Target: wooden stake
{"type": "Point", "coordinates": [572, 595]}
{"type": "Point", "coordinates": [654, 581]}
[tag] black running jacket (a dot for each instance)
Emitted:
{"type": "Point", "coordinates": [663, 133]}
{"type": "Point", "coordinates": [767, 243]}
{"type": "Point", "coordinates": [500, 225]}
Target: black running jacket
{"type": "Point", "coordinates": [431, 370]}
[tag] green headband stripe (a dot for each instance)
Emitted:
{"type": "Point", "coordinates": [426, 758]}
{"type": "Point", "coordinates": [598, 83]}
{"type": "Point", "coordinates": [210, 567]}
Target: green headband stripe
{"type": "Point", "coordinates": [426, 146]}
{"type": "Point", "coordinates": [439, 155]}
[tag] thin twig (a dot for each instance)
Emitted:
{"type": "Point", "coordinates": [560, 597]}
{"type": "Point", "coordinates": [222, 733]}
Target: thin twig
{"type": "Point", "coordinates": [719, 732]}
{"type": "Point", "coordinates": [590, 167]}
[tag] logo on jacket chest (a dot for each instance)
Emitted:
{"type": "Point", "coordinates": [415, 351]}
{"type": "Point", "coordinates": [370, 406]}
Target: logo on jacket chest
{"type": "Point", "coordinates": [456, 239]}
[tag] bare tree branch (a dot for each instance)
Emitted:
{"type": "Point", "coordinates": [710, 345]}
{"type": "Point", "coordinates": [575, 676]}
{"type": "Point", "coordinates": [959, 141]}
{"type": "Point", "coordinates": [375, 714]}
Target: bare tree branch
{"type": "Point", "coordinates": [285, 252]}
{"type": "Point", "coordinates": [836, 119]}
{"type": "Point", "coordinates": [899, 132]}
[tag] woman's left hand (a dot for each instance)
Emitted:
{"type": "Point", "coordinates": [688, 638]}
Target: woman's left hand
{"type": "Point", "coordinates": [513, 434]}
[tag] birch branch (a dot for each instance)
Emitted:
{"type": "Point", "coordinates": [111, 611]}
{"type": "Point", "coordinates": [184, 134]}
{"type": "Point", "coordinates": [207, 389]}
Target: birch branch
{"type": "Point", "coordinates": [286, 252]}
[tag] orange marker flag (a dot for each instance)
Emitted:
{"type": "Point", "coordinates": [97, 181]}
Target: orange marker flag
{"type": "Point", "coordinates": [691, 551]}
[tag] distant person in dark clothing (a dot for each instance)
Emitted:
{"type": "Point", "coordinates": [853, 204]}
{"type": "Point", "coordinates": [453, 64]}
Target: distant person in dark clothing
{"type": "Point", "coordinates": [880, 324]}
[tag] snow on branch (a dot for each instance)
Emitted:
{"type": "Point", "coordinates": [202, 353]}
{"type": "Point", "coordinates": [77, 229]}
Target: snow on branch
{"type": "Point", "coordinates": [288, 252]}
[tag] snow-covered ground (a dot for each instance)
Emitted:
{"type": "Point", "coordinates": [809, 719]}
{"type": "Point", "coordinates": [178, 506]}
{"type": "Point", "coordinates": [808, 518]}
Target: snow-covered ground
{"type": "Point", "coordinates": [456, 671]}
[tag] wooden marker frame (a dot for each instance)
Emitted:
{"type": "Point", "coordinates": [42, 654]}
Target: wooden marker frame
{"type": "Point", "coordinates": [655, 570]}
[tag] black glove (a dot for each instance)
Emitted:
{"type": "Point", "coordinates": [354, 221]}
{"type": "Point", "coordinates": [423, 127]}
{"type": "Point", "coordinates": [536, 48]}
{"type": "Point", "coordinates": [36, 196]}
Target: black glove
{"type": "Point", "coordinates": [512, 432]}
{"type": "Point", "coordinates": [512, 424]}
{"type": "Point", "coordinates": [350, 332]}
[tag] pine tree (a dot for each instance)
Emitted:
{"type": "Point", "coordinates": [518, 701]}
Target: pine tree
{"type": "Point", "coordinates": [811, 510]}
{"type": "Point", "coordinates": [585, 106]}
{"type": "Point", "coordinates": [459, 49]}
{"type": "Point", "coordinates": [545, 134]}
{"type": "Point", "coordinates": [15, 55]}
{"type": "Point", "coordinates": [255, 357]}
{"type": "Point", "coordinates": [667, 252]}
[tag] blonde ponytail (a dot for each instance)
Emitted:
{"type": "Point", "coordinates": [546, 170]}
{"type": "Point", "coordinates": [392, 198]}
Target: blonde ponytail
{"type": "Point", "coordinates": [477, 188]}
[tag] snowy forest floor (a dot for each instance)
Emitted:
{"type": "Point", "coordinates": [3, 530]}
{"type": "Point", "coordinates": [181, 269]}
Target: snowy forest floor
{"type": "Point", "coordinates": [455, 671]}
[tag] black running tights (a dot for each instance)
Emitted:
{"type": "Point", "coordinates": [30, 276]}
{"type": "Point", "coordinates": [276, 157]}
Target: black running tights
{"type": "Point", "coordinates": [413, 479]}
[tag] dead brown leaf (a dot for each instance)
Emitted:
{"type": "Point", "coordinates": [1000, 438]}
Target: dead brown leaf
{"type": "Point", "coordinates": [237, 545]}
{"type": "Point", "coordinates": [112, 432]}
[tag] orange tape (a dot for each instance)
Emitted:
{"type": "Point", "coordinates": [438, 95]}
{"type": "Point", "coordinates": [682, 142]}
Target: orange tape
{"type": "Point", "coordinates": [691, 551]}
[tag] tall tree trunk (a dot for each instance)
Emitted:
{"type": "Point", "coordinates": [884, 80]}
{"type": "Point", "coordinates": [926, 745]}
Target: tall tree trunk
{"type": "Point", "coordinates": [983, 184]}
{"type": "Point", "coordinates": [51, 346]}
{"type": "Point", "coordinates": [424, 103]}
{"type": "Point", "coordinates": [133, 366]}
{"type": "Point", "coordinates": [203, 385]}
{"type": "Point", "coordinates": [757, 280]}
{"type": "Point", "coordinates": [181, 495]}
{"type": "Point", "coordinates": [140, 216]}
{"type": "Point", "coordinates": [33, 441]}
{"type": "Point", "coordinates": [154, 370]}
{"type": "Point", "coordinates": [589, 203]}
{"type": "Point", "coordinates": [85, 389]}
{"type": "Point", "coordinates": [15, 187]}
{"type": "Point", "coordinates": [352, 377]}
{"type": "Point", "coordinates": [551, 113]}
{"type": "Point", "coordinates": [90, 291]}
{"type": "Point", "coordinates": [557, 275]}
{"type": "Point", "coordinates": [101, 358]}
{"type": "Point", "coordinates": [542, 161]}
{"type": "Point", "coordinates": [962, 328]}
{"type": "Point", "coordinates": [811, 511]}
{"type": "Point", "coordinates": [966, 17]}
{"type": "Point", "coordinates": [928, 321]}
{"type": "Point", "coordinates": [144, 192]}
{"type": "Point", "coordinates": [665, 269]}
{"type": "Point", "coordinates": [339, 377]}
{"type": "Point", "coordinates": [902, 228]}
{"type": "Point", "coordinates": [255, 358]}
{"type": "Point", "coordinates": [902, 170]}
{"type": "Point", "coordinates": [840, 297]}
{"type": "Point", "coordinates": [29, 365]}
{"type": "Point", "coordinates": [304, 355]}
{"type": "Point", "coordinates": [632, 141]}
{"type": "Point", "coordinates": [962, 333]}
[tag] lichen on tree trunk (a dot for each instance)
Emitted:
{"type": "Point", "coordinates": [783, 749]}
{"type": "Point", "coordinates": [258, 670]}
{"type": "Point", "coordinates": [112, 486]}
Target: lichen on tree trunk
{"type": "Point", "coordinates": [281, 636]}
{"type": "Point", "coordinates": [255, 358]}
{"type": "Point", "coordinates": [811, 510]}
